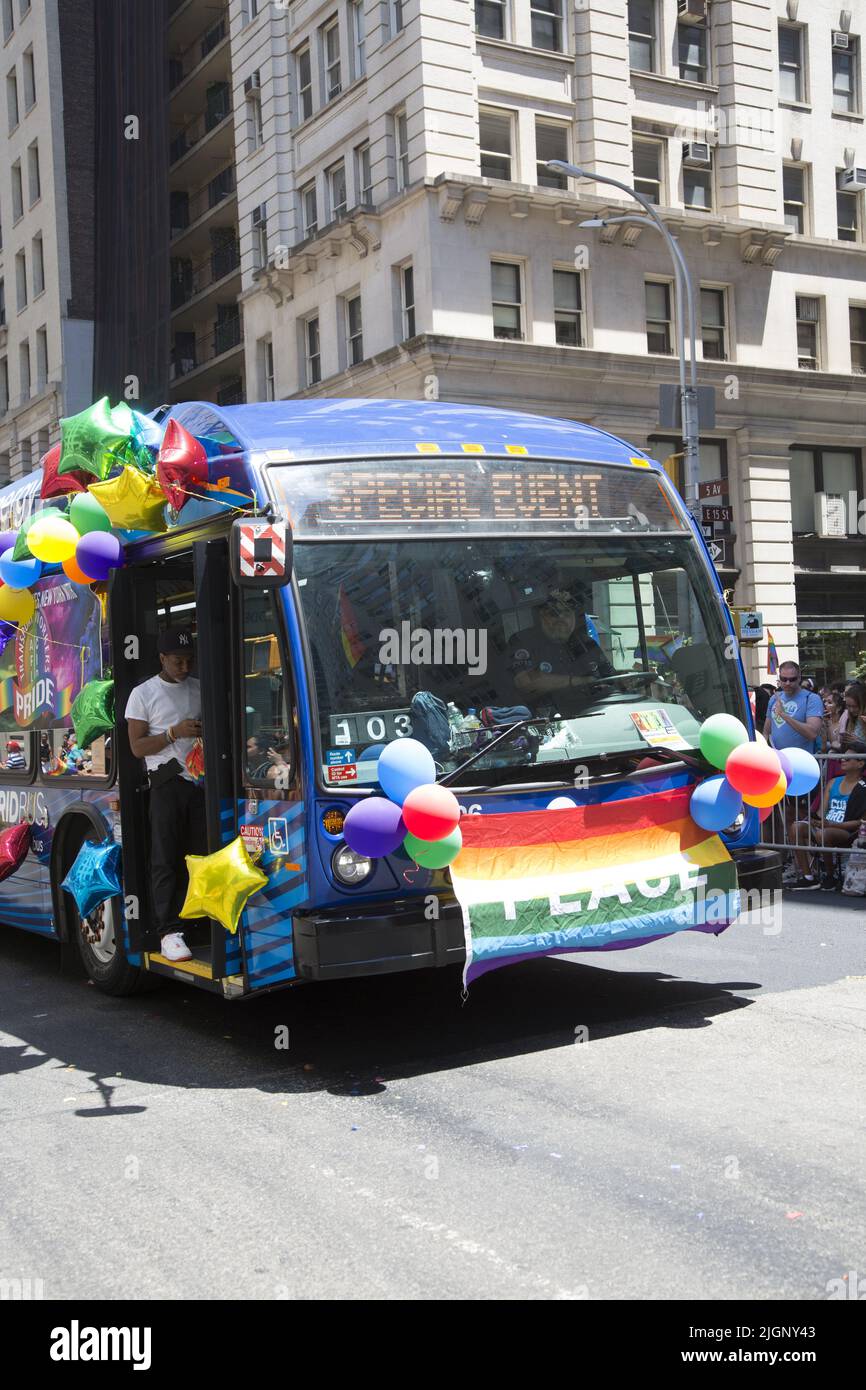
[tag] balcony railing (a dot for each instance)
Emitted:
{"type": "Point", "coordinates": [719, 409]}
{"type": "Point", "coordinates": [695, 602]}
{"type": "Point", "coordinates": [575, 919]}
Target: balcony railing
{"type": "Point", "coordinates": [182, 63]}
{"type": "Point", "coordinates": [188, 356]}
{"type": "Point", "coordinates": [189, 279]}
{"type": "Point", "coordinates": [192, 134]}
{"type": "Point", "coordinates": [187, 208]}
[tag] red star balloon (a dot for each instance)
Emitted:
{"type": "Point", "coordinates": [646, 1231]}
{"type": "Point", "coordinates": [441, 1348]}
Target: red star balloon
{"type": "Point", "coordinates": [14, 844]}
{"type": "Point", "coordinates": [55, 486]}
{"type": "Point", "coordinates": [180, 463]}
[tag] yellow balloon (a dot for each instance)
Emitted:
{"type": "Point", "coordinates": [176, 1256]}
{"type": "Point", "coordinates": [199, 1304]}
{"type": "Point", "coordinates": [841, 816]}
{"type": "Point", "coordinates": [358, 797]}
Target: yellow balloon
{"type": "Point", "coordinates": [220, 883]}
{"type": "Point", "coordinates": [53, 539]}
{"type": "Point", "coordinates": [16, 605]}
{"type": "Point", "coordinates": [771, 797]}
{"type": "Point", "coordinates": [132, 500]}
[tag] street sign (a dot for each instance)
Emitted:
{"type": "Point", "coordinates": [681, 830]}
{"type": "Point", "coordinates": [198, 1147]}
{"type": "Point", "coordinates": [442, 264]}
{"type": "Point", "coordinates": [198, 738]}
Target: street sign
{"type": "Point", "coordinates": [714, 514]}
{"type": "Point", "coordinates": [716, 487]}
{"type": "Point", "coordinates": [751, 625]}
{"type": "Point", "coordinates": [718, 553]}
{"type": "Point", "coordinates": [708, 530]}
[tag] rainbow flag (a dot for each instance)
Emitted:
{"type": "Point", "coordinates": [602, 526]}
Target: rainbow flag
{"type": "Point", "coordinates": [349, 634]}
{"type": "Point", "coordinates": [597, 877]}
{"type": "Point", "coordinates": [772, 655]}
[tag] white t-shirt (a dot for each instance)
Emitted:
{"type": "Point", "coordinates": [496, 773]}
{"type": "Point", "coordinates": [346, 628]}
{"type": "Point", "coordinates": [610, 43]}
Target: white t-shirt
{"type": "Point", "coordinates": [161, 704]}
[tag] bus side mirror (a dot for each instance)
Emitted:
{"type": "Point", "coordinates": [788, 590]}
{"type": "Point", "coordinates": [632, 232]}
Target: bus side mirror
{"type": "Point", "coordinates": [261, 553]}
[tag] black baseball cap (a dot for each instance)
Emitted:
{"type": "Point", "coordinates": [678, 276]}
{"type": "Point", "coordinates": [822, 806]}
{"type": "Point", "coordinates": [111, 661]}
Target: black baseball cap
{"type": "Point", "coordinates": [176, 639]}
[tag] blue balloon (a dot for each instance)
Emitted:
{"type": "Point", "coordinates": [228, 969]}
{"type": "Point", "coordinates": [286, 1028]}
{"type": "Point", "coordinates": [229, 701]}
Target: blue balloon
{"type": "Point", "coordinates": [805, 772]}
{"type": "Point", "coordinates": [369, 755]}
{"type": "Point", "coordinates": [94, 875]}
{"type": "Point", "coordinates": [374, 827]}
{"type": "Point", "coordinates": [147, 431]}
{"type": "Point", "coordinates": [715, 804]}
{"type": "Point", "coordinates": [405, 765]}
{"type": "Point", "coordinates": [18, 574]}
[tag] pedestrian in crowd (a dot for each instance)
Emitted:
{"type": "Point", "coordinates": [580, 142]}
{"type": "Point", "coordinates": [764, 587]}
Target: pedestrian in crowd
{"type": "Point", "coordinates": [794, 714]}
{"type": "Point", "coordinates": [834, 708]}
{"type": "Point", "coordinates": [763, 695]}
{"type": "Point", "coordinates": [837, 823]}
{"type": "Point", "coordinates": [15, 760]}
{"type": "Point", "coordinates": [852, 724]}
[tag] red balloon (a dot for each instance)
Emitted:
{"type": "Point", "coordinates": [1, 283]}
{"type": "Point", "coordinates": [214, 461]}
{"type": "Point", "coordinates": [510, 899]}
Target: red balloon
{"type": "Point", "coordinates": [753, 768]}
{"type": "Point", "coordinates": [431, 812]}
{"type": "Point", "coordinates": [54, 486]}
{"type": "Point", "coordinates": [765, 813]}
{"type": "Point", "coordinates": [180, 463]}
{"type": "Point", "coordinates": [14, 844]}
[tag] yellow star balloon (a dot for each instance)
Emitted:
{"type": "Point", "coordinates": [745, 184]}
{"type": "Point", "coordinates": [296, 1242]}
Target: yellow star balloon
{"type": "Point", "coordinates": [220, 883]}
{"type": "Point", "coordinates": [132, 501]}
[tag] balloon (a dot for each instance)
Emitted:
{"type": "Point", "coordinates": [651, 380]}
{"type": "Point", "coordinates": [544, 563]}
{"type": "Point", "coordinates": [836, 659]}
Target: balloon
{"type": "Point", "coordinates": [561, 803]}
{"type": "Point", "coordinates": [93, 711]}
{"type": "Point", "coordinates": [14, 844]}
{"type": "Point", "coordinates": [52, 539]}
{"type": "Point", "coordinates": [181, 461]}
{"type": "Point", "coordinates": [18, 574]}
{"type": "Point", "coordinates": [405, 765]}
{"type": "Point", "coordinates": [374, 827]}
{"type": "Point", "coordinates": [759, 738]}
{"type": "Point", "coordinates": [221, 883]}
{"type": "Point", "coordinates": [21, 549]}
{"type": "Point", "coordinates": [715, 804]}
{"type": "Point", "coordinates": [785, 764]}
{"type": "Point", "coordinates": [16, 605]}
{"type": "Point", "coordinates": [94, 876]}
{"type": "Point", "coordinates": [7, 540]}
{"type": "Point", "coordinates": [7, 632]}
{"type": "Point", "coordinates": [719, 736]}
{"type": "Point", "coordinates": [437, 855]}
{"type": "Point", "coordinates": [752, 769]}
{"type": "Point", "coordinates": [765, 813]}
{"type": "Point", "coordinates": [805, 772]}
{"type": "Point", "coordinates": [87, 440]}
{"type": "Point", "coordinates": [55, 486]}
{"type": "Point", "coordinates": [73, 572]}
{"type": "Point", "coordinates": [771, 797]}
{"type": "Point", "coordinates": [431, 812]}
{"type": "Point", "coordinates": [86, 514]}
{"type": "Point", "coordinates": [148, 433]}
{"type": "Point", "coordinates": [97, 553]}
{"type": "Point", "coordinates": [132, 501]}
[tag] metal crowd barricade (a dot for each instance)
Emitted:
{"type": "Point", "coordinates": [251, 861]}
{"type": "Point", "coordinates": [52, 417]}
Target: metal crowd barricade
{"type": "Point", "coordinates": [779, 830]}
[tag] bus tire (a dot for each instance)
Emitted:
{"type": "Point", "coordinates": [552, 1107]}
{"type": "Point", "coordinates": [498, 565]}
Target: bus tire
{"type": "Point", "coordinates": [100, 945]}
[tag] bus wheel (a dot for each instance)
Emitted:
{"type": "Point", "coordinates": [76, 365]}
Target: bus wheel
{"type": "Point", "coordinates": [101, 946]}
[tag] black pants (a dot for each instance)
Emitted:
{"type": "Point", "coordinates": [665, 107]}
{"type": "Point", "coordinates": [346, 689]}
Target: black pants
{"type": "Point", "coordinates": [177, 827]}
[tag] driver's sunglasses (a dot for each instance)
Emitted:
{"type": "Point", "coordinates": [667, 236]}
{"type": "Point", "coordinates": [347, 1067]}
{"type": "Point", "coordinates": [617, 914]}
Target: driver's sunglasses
{"type": "Point", "coordinates": [789, 680]}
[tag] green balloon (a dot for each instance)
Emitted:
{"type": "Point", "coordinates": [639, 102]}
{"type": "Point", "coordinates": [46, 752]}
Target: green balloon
{"type": "Point", "coordinates": [86, 514]}
{"type": "Point", "coordinates": [88, 438]}
{"type": "Point", "coordinates": [719, 736]}
{"type": "Point", "coordinates": [93, 711]}
{"type": "Point", "coordinates": [434, 854]}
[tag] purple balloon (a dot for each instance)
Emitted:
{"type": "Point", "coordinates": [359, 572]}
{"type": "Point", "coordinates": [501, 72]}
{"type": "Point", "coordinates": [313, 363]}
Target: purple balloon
{"type": "Point", "coordinates": [785, 763]}
{"type": "Point", "coordinates": [7, 632]}
{"type": "Point", "coordinates": [7, 538]}
{"type": "Point", "coordinates": [374, 827]}
{"type": "Point", "coordinates": [98, 552]}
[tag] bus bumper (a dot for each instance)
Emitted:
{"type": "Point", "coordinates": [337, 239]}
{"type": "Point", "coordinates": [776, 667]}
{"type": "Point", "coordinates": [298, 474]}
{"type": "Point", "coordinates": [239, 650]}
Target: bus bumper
{"type": "Point", "coordinates": [758, 868]}
{"type": "Point", "coordinates": [337, 945]}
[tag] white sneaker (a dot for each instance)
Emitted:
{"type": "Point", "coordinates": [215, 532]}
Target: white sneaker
{"type": "Point", "coordinates": [173, 947]}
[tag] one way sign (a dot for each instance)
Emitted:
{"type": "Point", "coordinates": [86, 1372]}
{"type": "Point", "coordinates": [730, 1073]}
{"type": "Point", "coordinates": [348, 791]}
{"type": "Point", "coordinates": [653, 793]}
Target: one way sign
{"type": "Point", "coordinates": [717, 552]}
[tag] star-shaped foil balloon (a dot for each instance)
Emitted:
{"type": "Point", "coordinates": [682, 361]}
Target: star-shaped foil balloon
{"type": "Point", "coordinates": [180, 463]}
{"type": "Point", "coordinates": [221, 883]}
{"type": "Point", "coordinates": [14, 844]}
{"type": "Point", "coordinates": [55, 486]}
{"type": "Point", "coordinates": [94, 876]}
{"type": "Point", "coordinates": [132, 501]}
{"type": "Point", "coordinates": [93, 711]}
{"type": "Point", "coordinates": [88, 438]}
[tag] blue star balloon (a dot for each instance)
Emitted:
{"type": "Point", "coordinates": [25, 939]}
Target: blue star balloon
{"type": "Point", "coordinates": [94, 876]}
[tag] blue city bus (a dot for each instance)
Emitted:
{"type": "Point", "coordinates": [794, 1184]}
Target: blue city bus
{"type": "Point", "coordinates": [419, 534]}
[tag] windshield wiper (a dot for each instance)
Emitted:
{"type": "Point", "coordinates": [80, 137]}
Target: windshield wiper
{"type": "Point", "coordinates": [488, 747]}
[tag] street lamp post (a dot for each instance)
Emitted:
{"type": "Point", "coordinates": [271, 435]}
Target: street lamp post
{"type": "Point", "coordinates": [684, 291]}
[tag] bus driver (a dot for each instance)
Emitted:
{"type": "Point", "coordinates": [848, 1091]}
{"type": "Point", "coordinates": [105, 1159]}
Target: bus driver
{"type": "Point", "coordinates": [163, 717]}
{"type": "Point", "coordinates": [557, 655]}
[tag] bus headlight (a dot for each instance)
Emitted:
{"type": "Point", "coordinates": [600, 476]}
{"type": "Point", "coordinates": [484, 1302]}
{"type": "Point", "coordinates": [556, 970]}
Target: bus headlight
{"type": "Point", "coordinates": [350, 868]}
{"type": "Point", "coordinates": [736, 826]}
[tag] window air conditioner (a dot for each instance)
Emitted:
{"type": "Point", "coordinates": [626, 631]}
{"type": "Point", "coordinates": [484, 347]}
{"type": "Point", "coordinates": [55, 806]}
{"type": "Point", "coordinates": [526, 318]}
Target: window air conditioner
{"type": "Point", "coordinates": [830, 520]}
{"type": "Point", "coordinates": [840, 39]}
{"type": "Point", "coordinates": [692, 11]}
{"type": "Point", "coordinates": [696, 153]}
{"type": "Point", "coordinates": [852, 180]}
{"type": "Point", "coordinates": [252, 83]}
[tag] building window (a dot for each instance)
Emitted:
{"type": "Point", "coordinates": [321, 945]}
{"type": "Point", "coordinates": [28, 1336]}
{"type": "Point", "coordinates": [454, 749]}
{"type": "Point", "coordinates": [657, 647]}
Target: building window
{"type": "Point", "coordinates": [819, 470]}
{"type": "Point", "coordinates": [407, 300]}
{"type": "Point", "coordinates": [304, 75]}
{"type": "Point", "coordinates": [34, 179]}
{"type": "Point", "coordinates": [312, 352]}
{"type": "Point", "coordinates": [791, 84]}
{"type": "Point", "coordinates": [2, 303]}
{"type": "Point", "coordinates": [266, 369]}
{"type": "Point", "coordinates": [698, 186]}
{"type": "Point", "coordinates": [507, 299]}
{"type": "Point", "coordinates": [401, 150]}
{"type": "Point", "coordinates": [495, 142]}
{"type": "Point", "coordinates": [713, 326]}
{"type": "Point", "coordinates": [17, 192]}
{"type": "Point", "coordinates": [255, 119]}
{"type": "Point", "coordinates": [4, 385]}
{"type": "Point", "coordinates": [647, 162]}
{"type": "Point", "coordinates": [29, 80]}
{"type": "Point", "coordinates": [397, 7]}
{"type": "Point", "coordinates": [24, 371]}
{"type": "Point", "coordinates": [41, 358]}
{"type": "Point", "coordinates": [259, 224]}
{"type": "Point", "coordinates": [363, 174]}
{"type": "Point", "coordinates": [547, 23]}
{"type": "Point", "coordinates": [354, 331]}
{"type": "Point", "coordinates": [249, 10]}
{"type": "Point", "coordinates": [808, 332]}
{"type": "Point", "coordinates": [8, 20]}
{"type": "Point", "coordinates": [336, 177]}
{"type": "Point", "coordinates": [712, 460]}
{"type": "Point", "coordinates": [331, 58]}
{"type": "Point", "coordinates": [12, 99]}
{"type": "Point", "coordinates": [794, 194]}
{"type": "Point", "coordinates": [309, 210]}
{"type": "Point", "coordinates": [21, 280]}
{"type": "Point", "coordinates": [692, 47]}
{"type": "Point", "coordinates": [642, 35]}
{"type": "Point", "coordinates": [358, 35]}
{"type": "Point", "coordinates": [845, 77]}
{"type": "Point", "coordinates": [551, 142]}
{"type": "Point", "coordinates": [857, 319]}
{"type": "Point", "coordinates": [490, 19]}
{"type": "Point", "coordinates": [568, 308]}
{"type": "Point", "coordinates": [37, 260]}
{"type": "Point", "coordinates": [659, 325]}
{"type": "Point", "coordinates": [847, 216]}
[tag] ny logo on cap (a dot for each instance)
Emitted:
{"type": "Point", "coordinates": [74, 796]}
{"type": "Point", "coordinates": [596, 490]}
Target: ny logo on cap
{"type": "Point", "coordinates": [183, 639]}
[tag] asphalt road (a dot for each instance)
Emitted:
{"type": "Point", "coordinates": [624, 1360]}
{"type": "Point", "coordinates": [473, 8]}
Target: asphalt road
{"type": "Point", "coordinates": [706, 1140]}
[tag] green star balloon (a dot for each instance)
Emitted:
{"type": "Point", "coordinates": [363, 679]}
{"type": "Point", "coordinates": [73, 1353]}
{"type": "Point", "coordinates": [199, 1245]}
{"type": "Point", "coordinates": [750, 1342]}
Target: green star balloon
{"type": "Point", "coordinates": [88, 438]}
{"type": "Point", "coordinates": [93, 711]}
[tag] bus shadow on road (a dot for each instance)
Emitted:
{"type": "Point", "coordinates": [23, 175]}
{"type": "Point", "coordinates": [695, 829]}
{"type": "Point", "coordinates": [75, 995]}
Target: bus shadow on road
{"type": "Point", "coordinates": [347, 1037]}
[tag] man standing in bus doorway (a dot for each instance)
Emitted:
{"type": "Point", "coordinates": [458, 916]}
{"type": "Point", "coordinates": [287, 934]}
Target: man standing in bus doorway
{"type": "Point", "coordinates": [163, 717]}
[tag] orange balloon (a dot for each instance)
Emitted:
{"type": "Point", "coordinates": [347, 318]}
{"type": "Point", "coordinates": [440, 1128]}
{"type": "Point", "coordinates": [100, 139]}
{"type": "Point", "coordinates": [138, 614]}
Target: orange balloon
{"type": "Point", "coordinates": [74, 572]}
{"type": "Point", "coordinates": [771, 797]}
